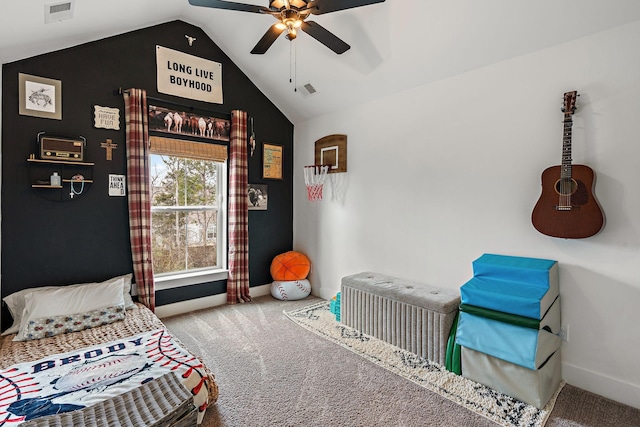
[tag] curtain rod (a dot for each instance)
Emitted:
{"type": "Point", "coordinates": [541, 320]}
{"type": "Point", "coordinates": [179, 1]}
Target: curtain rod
{"type": "Point", "coordinates": [226, 115]}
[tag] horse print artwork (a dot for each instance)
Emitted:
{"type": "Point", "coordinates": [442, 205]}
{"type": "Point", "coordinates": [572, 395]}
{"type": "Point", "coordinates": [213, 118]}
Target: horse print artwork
{"type": "Point", "coordinates": [40, 96]}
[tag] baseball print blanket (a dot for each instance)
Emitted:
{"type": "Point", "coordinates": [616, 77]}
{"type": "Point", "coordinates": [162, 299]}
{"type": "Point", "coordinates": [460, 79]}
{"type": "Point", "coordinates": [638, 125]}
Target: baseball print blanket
{"type": "Point", "coordinates": [70, 381]}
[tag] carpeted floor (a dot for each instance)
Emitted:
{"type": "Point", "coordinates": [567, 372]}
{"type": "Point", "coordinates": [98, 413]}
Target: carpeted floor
{"type": "Point", "coordinates": [272, 372]}
{"type": "Point", "coordinates": [498, 407]}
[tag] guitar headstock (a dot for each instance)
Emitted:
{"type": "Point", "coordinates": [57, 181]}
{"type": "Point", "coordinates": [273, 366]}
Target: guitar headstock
{"type": "Point", "coordinates": [569, 104]}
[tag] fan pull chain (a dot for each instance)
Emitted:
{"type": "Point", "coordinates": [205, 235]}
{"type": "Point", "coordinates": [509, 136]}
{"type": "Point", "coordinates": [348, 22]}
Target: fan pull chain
{"type": "Point", "coordinates": [293, 64]}
{"type": "Point", "coordinates": [290, 59]}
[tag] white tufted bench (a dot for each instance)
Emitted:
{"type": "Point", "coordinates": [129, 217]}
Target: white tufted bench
{"type": "Point", "coordinates": [410, 315]}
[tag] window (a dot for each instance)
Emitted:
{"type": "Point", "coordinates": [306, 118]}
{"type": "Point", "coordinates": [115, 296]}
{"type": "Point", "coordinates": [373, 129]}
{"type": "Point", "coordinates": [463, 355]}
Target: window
{"type": "Point", "coordinates": [188, 213]}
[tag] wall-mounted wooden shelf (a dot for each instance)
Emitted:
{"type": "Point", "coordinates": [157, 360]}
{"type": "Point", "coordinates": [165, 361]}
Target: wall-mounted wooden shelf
{"type": "Point", "coordinates": [88, 181]}
{"type": "Point", "coordinates": [46, 186]}
{"type": "Point", "coordinates": [40, 171]}
{"type": "Point", "coordinates": [61, 162]}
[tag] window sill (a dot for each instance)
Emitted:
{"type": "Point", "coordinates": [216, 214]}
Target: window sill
{"type": "Point", "coordinates": [171, 281]}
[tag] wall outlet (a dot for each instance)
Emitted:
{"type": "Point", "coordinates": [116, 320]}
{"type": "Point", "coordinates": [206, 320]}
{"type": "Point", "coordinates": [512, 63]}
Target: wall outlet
{"type": "Point", "coordinates": [564, 333]}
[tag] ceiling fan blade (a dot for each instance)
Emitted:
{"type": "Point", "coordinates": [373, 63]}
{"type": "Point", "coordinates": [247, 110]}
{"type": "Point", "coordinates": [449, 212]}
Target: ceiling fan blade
{"type": "Point", "coordinates": [267, 39]}
{"type": "Point", "coordinates": [318, 7]}
{"type": "Point", "coordinates": [219, 4]}
{"type": "Point", "coordinates": [325, 37]}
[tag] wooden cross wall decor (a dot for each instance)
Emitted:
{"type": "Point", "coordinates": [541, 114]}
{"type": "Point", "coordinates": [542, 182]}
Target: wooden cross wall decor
{"type": "Point", "coordinates": [109, 146]}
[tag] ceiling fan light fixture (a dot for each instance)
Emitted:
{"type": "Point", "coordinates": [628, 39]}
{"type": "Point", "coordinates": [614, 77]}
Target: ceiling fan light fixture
{"type": "Point", "coordinates": [289, 20]}
{"type": "Point", "coordinates": [291, 34]}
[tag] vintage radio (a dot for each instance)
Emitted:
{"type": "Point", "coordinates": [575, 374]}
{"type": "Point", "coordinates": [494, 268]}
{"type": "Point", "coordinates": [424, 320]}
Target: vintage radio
{"type": "Point", "coordinates": [61, 147]}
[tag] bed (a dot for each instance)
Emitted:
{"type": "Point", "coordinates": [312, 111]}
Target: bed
{"type": "Point", "coordinates": [56, 364]}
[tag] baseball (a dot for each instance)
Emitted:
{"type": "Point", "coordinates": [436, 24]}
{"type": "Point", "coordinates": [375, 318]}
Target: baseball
{"type": "Point", "coordinates": [290, 289]}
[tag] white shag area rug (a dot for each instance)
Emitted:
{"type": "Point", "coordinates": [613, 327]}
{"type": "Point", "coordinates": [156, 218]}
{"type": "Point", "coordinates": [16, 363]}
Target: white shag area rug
{"type": "Point", "coordinates": [496, 406]}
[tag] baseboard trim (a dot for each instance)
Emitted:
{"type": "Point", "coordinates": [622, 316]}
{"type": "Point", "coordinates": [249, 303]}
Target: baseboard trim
{"type": "Point", "coordinates": [611, 388]}
{"type": "Point", "coordinates": [182, 307]}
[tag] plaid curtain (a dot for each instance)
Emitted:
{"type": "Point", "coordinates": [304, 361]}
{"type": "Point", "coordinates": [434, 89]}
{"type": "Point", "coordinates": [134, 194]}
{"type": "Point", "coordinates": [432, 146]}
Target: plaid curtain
{"type": "Point", "coordinates": [238, 282]}
{"type": "Point", "coordinates": [139, 195]}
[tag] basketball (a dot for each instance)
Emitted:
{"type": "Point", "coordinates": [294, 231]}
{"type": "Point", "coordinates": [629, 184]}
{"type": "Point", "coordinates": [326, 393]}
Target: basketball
{"type": "Point", "coordinates": [290, 265]}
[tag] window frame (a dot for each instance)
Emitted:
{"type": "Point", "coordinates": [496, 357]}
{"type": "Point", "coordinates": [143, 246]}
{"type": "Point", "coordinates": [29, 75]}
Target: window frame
{"type": "Point", "coordinates": [176, 279]}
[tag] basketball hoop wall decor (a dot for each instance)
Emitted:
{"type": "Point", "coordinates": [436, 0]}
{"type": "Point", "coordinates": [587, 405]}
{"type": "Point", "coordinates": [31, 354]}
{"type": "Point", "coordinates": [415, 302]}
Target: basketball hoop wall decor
{"type": "Point", "coordinates": [314, 177]}
{"type": "Point", "coordinates": [332, 151]}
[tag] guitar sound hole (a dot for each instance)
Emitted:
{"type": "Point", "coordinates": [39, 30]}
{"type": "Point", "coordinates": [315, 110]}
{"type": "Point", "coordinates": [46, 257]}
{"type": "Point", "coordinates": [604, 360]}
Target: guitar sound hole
{"type": "Point", "coordinates": [566, 186]}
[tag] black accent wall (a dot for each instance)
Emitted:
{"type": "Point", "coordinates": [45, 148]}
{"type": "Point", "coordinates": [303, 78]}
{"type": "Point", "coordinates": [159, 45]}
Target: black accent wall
{"type": "Point", "coordinates": [47, 242]}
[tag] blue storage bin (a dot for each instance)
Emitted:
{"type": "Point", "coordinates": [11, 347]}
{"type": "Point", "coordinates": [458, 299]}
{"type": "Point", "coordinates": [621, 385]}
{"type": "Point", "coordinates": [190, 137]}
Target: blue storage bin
{"type": "Point", "coordinates": [521, 286]}
{"type": "Point", "coordinates": [522, 346]}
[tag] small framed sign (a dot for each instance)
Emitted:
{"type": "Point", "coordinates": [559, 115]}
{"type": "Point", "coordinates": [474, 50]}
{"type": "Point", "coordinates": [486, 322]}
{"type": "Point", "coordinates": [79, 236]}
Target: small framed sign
{"type": "Point", "coordinates": [117, 185]}
{"type": "Point", "coordinates": [106, 118]}
{"type": "Point", "coordinates": [272, 161]}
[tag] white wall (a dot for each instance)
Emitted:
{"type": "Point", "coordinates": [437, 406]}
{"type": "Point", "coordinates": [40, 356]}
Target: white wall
{"type": "Point", "coordinates": [445, 172]}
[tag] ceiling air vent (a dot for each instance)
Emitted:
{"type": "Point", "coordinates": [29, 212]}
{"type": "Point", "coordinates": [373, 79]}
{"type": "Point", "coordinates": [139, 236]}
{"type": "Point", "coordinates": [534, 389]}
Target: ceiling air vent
{"type": "Point", "coordinates": [58, 11]}
{"type": "Point", "coordinates": [307, 90]}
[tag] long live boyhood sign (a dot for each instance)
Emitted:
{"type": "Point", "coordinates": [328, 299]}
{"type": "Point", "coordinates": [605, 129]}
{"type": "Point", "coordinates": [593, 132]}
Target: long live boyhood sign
{"type": "Point", "coordinates": [188, 76]}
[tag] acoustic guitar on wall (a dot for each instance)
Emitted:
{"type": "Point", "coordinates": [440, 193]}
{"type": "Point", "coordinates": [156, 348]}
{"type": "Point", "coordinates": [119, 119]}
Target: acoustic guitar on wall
{"type": "Point", "coordinates": [567, 207]}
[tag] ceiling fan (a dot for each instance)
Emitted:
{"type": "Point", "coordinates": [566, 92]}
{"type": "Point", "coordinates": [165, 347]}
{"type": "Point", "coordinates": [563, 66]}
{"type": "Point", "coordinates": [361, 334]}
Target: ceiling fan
{"type": "Point", "coordinates": [292, 14]}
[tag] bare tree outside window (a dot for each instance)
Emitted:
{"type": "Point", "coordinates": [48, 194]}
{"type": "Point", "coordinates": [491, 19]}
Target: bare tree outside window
{"type": "Point", "coordinates": [184, 213]}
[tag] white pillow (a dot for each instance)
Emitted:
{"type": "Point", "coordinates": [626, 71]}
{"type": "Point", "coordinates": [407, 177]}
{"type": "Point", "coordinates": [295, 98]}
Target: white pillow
{"type": "Point", "coordinates": [15, 301]}
{"type": "Point", "coordinates": [69, 300]}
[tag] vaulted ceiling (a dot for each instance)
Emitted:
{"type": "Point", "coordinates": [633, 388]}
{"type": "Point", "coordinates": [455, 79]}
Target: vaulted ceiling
{"type": "Point", "coordinates": [395, 45]}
